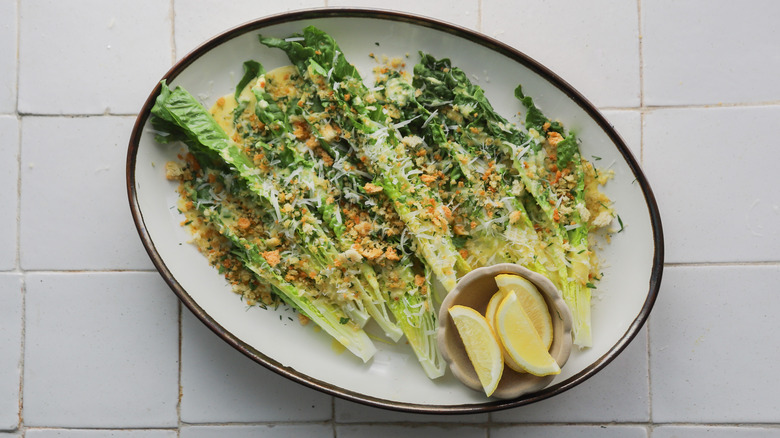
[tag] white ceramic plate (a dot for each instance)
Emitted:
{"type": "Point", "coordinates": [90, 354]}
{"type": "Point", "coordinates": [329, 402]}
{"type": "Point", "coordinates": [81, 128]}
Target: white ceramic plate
{"type": "Point", "coordinates": [393, 378]}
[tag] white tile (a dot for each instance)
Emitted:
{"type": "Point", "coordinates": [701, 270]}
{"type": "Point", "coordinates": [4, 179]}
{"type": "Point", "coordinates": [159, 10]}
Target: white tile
{"type": "Point", "coordinates": [351, 412]}
{"type": "Point", "coordinates": [592, 45]}
{"type": "Point", "coordinates": [713, 177]}
{"type": "Point", "coordinates": [714, 349]}
{"type": "Point", "coordinates": [8, 58]}
{"type": "Point", "coordinates": [463, 13]}
{"type": "Point", "coordinates": [9, 197]}
{"type": "Point", "coordinates": [219, 384]}
{"type": "Point", "coordinates": [101, 350]}
{"type": "Point", "coordinates": [10, 349]}
{"type": "Point", "coordinates": [267, 431]}
{"type": "Point", "coordinates": [704, 52]}
{"type": "Point", "coordinates": [604, 431]}
{"type": "Point", "coordinates": [86, 433]}
{"type": "Point", "coordinates": [618, 393]}
{"type": "Point", "coordinates": [714, 432]}
{"type": "Point", "coordinates": [198, 20]}
{"type": "Point", "coordinates": [450, 431]}
{"type": "Point", "coordinates": [107, 56]}
{"type": "Point", "coordinates": [74, 210]}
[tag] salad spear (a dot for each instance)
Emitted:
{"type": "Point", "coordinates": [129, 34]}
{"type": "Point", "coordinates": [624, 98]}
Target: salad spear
{"type": "Point", "coordinates": [282, 157]}
{"type": "Point", "coordinates": [214, 200]}
{"type": "Point", "coordinates": [319, 58]}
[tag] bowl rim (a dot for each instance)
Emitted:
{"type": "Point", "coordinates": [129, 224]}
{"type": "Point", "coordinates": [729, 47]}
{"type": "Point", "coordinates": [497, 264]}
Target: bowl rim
{"type": "Point", "coordinates": [446, 330]}
{"type": "Point", "coordinates": [459, 31]}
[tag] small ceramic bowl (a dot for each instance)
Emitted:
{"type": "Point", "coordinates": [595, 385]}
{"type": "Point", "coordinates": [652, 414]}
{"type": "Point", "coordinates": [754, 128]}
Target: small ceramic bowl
{"type": "Point", "coordinates": [474, 290]}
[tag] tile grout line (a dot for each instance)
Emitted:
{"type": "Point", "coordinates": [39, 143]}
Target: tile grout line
{"type": "Point", "coordinates": [716, 264]}
{"type": "Point", "coordinates": [179, 313]}
{"type": "Point", "coordinates": [22, 345]}
{"type": "Point", "coordinates": [180, 389]}
{"type": "Point", "coordinates": [18, 44]}
{"type": "Point", "coordinates": [475, 424]}
{"type": "Point", "coordinates": [641, 56]}
{"type": "Point", "coordinates": [77, 116]}
{"type": "Point", "coordinates": [732, 264]}
{"type": "Point", "coordinates": [642, 108]}
{"type": "Point", "coordinates": [642, 113]}
{"type": "Point", "coordinates": [172, 16]}
{"type": "Point", "coordinates": [18, 254]}
{"type": "Point", "coordinates": [410, 424]}
{"type": "Point", "coordinates": [479, 15]}
{"type": "Point", "coordinates": [334, 429]}
{"type": "Point", "coordinates": [649, 377]}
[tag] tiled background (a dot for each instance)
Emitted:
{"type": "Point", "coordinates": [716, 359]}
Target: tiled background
{"type": "Point", "coordinates": [93, 344]}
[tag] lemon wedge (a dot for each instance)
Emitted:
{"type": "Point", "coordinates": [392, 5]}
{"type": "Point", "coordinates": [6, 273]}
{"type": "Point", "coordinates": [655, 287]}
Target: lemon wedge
{"type": "Point", "coordinates": [520, 339]}
{"type": "Point", "coordinates": [495, 300]}
{"type": "Point", "coordinates": [481, 344]}
{"type": "Point", "coordinates": [490, 315]}
{"type": "Point", "coordinates": [532, 302]}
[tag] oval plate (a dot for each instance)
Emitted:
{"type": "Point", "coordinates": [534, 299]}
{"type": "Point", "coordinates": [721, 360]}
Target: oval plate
{"type": "Point", "coordinates": [393, 379]}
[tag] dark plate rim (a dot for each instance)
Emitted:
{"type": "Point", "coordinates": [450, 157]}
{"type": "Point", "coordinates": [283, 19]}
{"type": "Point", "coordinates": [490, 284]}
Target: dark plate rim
{"type": "Point", "coordinates": [478, 38]}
